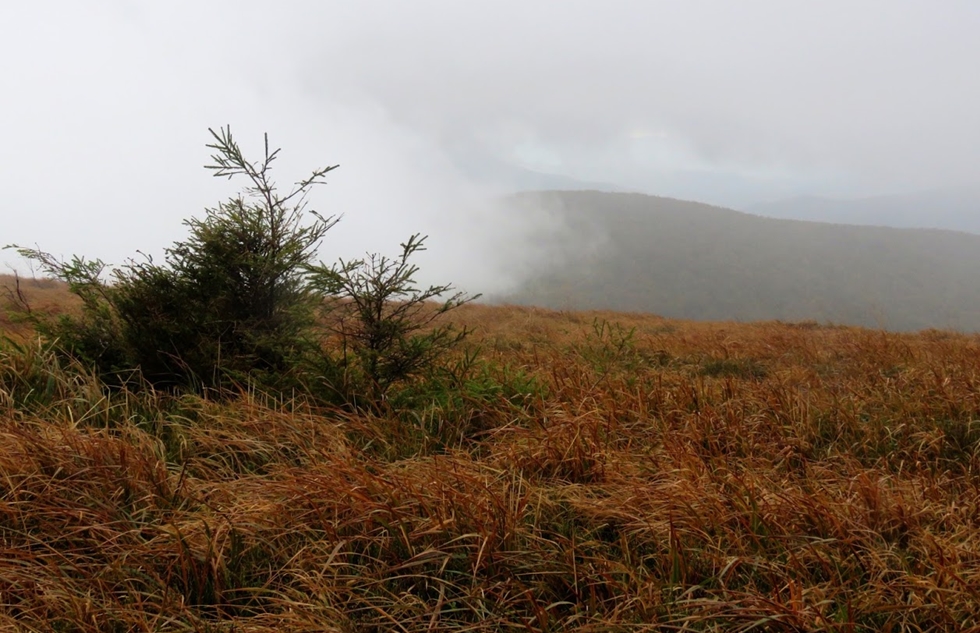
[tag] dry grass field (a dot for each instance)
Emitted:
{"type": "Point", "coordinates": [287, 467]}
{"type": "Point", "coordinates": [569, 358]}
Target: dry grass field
{"type": "Point", "coordinates": [44, 295]}
{"type": "Point", "coordinates": [597, 472]}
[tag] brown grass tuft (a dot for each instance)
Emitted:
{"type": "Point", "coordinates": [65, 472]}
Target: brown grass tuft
{"type": "Point", "coordinates": [667, 475]}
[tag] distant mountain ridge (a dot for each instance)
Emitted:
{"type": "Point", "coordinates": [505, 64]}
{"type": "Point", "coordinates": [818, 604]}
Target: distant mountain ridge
{"type": "Point", "coordinates": [709, 186]}
{"type": "Point", "coordinates": [512, 178]}
{"type": "Point", "coordinates": [953, 208]}
{"type": "Point", "coordinates": [634, 252]}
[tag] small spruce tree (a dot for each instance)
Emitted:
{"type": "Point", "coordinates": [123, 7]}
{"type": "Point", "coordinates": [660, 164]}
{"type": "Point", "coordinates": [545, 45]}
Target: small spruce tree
{"type": "Point", "coordinates": [243, 299]}
{"type": "Point", "coordinates": [387, 324]}
{"type": "Point", "coordinates": [230, 301]}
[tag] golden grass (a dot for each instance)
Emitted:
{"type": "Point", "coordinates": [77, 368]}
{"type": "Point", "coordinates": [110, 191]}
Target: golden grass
{"type": "Point", "coordinates": [47, 296]}
{"type": "Point", "coordinates": [675, 476]}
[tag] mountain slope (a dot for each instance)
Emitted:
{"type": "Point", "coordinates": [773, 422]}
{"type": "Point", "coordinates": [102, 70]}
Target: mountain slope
{"type": "Point", "coordinates": [681, 259]}
{"type": "Point", "coordinates": [957, 209]}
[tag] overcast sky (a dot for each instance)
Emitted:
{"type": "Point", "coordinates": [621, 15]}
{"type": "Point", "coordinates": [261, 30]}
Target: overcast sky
{"type": "Point", "coordinates": [106, 106]}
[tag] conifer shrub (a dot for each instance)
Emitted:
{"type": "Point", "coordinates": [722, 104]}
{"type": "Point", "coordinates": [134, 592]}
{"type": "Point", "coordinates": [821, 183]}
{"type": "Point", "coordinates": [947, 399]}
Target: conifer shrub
{"type": "Point", "coordinates": [389, 326]}
{"type": "Point", "coordinates": [243, 300]}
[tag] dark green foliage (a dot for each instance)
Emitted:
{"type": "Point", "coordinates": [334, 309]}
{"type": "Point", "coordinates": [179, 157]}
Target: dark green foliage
{"type": "Point", "coordinates": [961, 439]}
{"type": "Point", "coordinates": [242, 300]}
{"type": "Point", "coordinates": [456, 407]}
{"type": "Point", "coordinates": [387, 323]}
{"type": "Point", "coordinates": [31, 376]}
{"type": "Point", "coordinates": [163, 324]}
{"type": "Point", "coordinates": [231, 302]}
{"type": "Point", "coordinates": [746, 368]}
{"type": "Point", "coordinates": [95, 338]}
{"type": "Point", "coordinates": [609, 347]}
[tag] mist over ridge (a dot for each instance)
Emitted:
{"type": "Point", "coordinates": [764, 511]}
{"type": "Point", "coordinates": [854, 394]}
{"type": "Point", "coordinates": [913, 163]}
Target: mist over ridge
{"type": "Point", "coordinates": [432, 120]}
{"type": "Point", "coordinates": [639, 253]}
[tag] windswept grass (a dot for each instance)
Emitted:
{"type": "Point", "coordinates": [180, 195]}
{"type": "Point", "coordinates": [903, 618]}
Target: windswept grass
{"type": "Point", "coordinates": [47, 296]}
{"type": "Point", "coordinates": [597, 472]}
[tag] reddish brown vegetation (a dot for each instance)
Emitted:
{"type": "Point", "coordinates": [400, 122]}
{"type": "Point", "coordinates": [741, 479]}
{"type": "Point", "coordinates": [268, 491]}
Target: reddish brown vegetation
{"type": "Point", "coordinates": [685, 477]}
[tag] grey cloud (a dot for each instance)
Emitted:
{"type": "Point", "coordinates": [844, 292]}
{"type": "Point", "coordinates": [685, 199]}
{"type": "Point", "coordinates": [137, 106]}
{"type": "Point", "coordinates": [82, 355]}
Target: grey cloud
{"type": "Point", "coordinates": [107, 104]}
{"type": "Point", "coordinates": [878, 91]}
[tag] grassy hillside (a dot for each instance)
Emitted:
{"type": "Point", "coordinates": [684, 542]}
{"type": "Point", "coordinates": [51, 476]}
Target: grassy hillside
{"type": "Point", "coordinates": [688, 260]}
{"type": "Point", "coordinates": [47, 296]}
{"type": "Point", "coordinates": [604, 472]}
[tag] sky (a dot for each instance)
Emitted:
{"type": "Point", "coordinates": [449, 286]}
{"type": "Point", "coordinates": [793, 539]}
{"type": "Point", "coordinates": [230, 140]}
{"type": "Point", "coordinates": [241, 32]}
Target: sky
{"type": "Point", "coordinates": [106, 107]}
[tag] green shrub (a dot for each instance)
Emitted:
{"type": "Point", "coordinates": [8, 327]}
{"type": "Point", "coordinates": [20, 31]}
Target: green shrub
{"type": "Point", "coordinates": [242, 300]}
{"type": "Point", "coordinates": [389, 326]}
{"type": "Point", "coordinates": [229, 303]}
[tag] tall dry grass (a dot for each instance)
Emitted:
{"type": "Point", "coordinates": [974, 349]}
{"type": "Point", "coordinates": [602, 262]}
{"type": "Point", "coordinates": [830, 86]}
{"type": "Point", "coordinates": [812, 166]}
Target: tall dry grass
{"type": "Point", "coordinates": [657, 475]}
{"type": "Point", "coordinates": [46, 296]}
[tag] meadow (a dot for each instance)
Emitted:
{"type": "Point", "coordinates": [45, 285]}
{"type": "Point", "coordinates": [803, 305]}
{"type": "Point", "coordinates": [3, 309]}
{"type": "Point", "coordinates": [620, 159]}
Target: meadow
{"type": "Point", "coordinates": [587, 471]}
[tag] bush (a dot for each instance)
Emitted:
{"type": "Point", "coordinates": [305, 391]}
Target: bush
{"type": "Point", "coordinates": [242, 299]}
{"type": "Point", "coordinates": [231, 301]}
{"type": "Point", "coordinates": [384, 321]}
